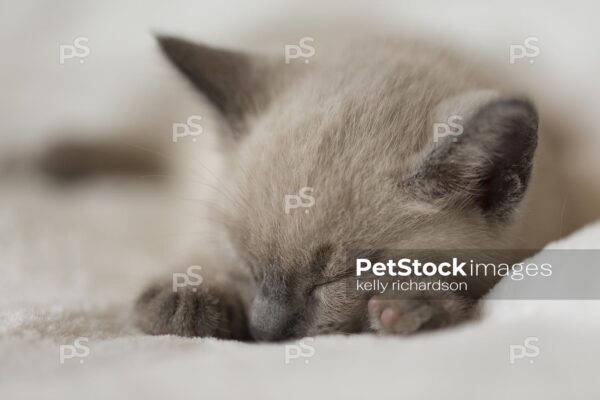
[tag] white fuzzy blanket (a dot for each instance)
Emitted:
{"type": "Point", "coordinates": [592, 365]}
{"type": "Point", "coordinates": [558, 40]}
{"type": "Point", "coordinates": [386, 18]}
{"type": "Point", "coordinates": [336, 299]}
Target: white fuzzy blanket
{"type": "Point", "coordinates": [69, 275]}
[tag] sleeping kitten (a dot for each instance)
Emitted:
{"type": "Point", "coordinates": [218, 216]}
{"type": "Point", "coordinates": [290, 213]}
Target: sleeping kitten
{"type": "Point", "coordinates": [355, 129]}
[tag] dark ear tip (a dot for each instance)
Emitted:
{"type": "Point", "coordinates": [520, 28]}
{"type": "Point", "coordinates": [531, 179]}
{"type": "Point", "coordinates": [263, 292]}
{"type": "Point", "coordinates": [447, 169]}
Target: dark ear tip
{"type": "Point", "coordinates": [180, 51]}
{"type": "Point", "coordinates": [163, 39]}
{"type": "Point", "coordinates": [170, 44]}
{"type": "Point", "coordinates": [522, 109]}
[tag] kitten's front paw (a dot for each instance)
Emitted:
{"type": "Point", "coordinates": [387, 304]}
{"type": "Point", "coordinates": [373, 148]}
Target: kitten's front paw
{"type": "Point", "coordinates": [407, 316]}
{"type": "Point", "coordinates": [185, 312]}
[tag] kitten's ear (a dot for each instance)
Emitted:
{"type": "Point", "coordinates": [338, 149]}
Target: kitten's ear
{"type": "Point", "coordinates": [487, 162]}
{"type": "Point", "coordinates": [233, 81]}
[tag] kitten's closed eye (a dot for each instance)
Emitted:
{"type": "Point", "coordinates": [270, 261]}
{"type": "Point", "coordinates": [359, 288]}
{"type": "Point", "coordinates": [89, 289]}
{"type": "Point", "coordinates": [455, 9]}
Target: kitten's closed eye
{"type": "Point", "coordinates": [334, 279]}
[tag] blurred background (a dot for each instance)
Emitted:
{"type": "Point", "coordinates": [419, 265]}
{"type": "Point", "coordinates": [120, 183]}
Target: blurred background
{"type": "Point", "coordinates": [124, 78]}
{"type": "Point", "coordinates": [113, 80]}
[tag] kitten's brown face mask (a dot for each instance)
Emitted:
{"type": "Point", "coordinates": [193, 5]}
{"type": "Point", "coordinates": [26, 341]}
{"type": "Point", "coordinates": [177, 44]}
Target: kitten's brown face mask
{"type": "Point", "coordinates": [332, 158]}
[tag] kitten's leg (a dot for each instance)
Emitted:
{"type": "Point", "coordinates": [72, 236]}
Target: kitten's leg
{"type": "Point", "coordinates": [389, 314]}
{"type": "Point", "coordinates": [203, 310]}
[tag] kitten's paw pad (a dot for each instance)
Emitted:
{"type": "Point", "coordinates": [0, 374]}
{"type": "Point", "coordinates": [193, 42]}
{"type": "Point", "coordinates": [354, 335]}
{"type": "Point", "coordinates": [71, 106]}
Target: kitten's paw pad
{"type": "Point", "coordinates": [401, 317]}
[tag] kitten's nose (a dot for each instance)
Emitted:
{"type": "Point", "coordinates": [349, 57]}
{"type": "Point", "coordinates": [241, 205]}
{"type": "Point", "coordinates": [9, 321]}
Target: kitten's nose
{"type": "Point", "coordinates": [271, 321]}
{"type": "Point", "coordinates": [264, 335]}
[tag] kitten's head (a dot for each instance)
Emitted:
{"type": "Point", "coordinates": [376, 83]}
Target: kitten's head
{"type": "Point", "coordinates": [393, 147]}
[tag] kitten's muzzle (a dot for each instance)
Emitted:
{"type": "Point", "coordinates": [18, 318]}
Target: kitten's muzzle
{"type": "Point", "coordinates": [273, 320]}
